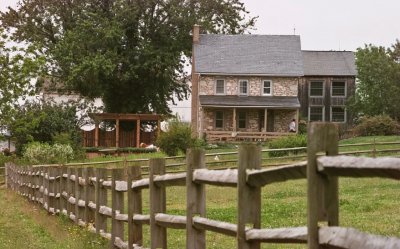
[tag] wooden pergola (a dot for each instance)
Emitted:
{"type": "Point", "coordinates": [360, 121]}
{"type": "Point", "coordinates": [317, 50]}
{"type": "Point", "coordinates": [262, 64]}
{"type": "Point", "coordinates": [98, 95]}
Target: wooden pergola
{"type": "Point", "coordinates": [117, 117]}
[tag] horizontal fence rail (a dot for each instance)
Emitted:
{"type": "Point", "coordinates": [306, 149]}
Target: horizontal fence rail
{"type": "Point", "coordinates": [109, 201]}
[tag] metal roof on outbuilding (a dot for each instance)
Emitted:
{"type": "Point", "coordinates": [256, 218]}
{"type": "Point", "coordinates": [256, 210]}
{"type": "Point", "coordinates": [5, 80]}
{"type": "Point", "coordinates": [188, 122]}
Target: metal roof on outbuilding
{"type": "Point", "coordinates": [249, 101]}
{"type": "Point", "coordinates": [274, 55]}
{"type": "Point", "coordinates": [329, 63]}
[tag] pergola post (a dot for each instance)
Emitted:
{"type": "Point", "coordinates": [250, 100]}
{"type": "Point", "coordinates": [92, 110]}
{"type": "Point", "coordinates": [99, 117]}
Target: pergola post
{"type": "Point", "coordinates": [234, 120]}
{"type": "Point", "coordinates": [96, 134]}
{"type": "Point", "coordinates": [158, 127]}
{"type": "Point", "coordinates": [138, 133]}
{"type": "Point", "coordinates": [117, 133]}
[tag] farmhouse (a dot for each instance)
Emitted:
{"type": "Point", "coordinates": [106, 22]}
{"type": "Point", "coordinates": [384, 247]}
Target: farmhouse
{"type": "Point", "coordinates": [252, 86]}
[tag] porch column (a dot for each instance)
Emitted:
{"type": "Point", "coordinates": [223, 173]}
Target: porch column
{"type": "Point", "coordinates": [117, 133]}
{"type": "Point", "coordinates": [234, 120]}
{"type": "Point", "coordinates": [96, 134]}
{"type": "Point", "coordinates": [297, 120]}
{"type": "Point", "coordinates": [265, 119]}
{"type": "Point", "coordinates": [138, 133]}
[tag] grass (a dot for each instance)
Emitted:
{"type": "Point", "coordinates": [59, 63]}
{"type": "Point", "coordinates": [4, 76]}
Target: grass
{"type": "Point", "coordinates": [24, 225]}
{"type": "Point", "coordinates": [369, 204]}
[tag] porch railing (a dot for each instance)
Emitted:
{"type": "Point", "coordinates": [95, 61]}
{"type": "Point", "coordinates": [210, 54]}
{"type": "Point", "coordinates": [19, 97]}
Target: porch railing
{"type": "Point", "coordinates": [242, 135]}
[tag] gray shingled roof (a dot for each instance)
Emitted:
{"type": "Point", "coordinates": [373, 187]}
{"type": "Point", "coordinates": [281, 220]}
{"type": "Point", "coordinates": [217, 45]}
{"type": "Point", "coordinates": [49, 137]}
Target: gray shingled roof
{"type": "Point", "coordinates": [329, 63]}
{"type": "Point", "coordinates": [277, 55]}
{"type": "Point", "coordinates": [249, 101]}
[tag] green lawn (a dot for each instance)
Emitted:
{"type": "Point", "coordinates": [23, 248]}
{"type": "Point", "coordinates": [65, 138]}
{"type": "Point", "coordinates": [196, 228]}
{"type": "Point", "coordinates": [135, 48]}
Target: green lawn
{"type": "Point", "coordinates": [369, 204]}
{"type": "Point", "coordinates": [28, 226]}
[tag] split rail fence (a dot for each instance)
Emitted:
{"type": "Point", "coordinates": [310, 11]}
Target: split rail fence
{"type": "Point", "coordinates": [82, 193]}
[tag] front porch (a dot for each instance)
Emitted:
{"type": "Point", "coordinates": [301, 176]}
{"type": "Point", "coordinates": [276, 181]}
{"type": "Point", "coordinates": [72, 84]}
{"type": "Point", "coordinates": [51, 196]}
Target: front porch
{"type": "Point", "coordinates": [246, 118]}
{"type": "Point", "coordinates": [235, 124]}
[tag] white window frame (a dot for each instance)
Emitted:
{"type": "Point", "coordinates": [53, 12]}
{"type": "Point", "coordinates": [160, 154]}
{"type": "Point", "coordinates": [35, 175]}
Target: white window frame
{"type": "Point", "coordinates": [323, 88]}
{"type": "Point", "coordinates": [270, 87]}
{"type": "Point", "coordinates": [247, 88]}
{"type": "Point", "coordinates": [215, 87]}
{"type": "Point", "coordinates": [345, 114]}
{"type": "Point", "coordinates": [345, 89]}
{"type": "Point", "coordinates": [215, 116]}
{"type": "Point", "coordinates": [323, 112]}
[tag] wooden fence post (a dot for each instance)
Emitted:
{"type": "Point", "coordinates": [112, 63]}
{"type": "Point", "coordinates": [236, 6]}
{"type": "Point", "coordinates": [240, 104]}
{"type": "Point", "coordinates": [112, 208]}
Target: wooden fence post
{"type": "Point", "coordinates": [57, 189]}
{"type": "Point", "coordinates": [89, 190]}
{"type": "Point", "coordinates": [117, 228]}
{"type": "Point", "coordinates": [78, 196]}
{"type": "Point", "coordinates": [195, 200]}
{"type": "Point", "coordinates": [51, 193]}
{"type": "Point", "coordinates": [6, 182]}
{"type": "Point", "coordinates": [135, 232]}
{"type": "Point", "coordinates": [101, 200]}
{"type": "Point", "coordinates": [70, 192]}
{"type": "Point", "coordinates": [35, 182]}
{"type": "Point", "coordinates": [157, 205]}
{"type": "Point", "coordinates": [46, 184]}
{"type": "Point", "coordinates": [322, 191]}
{"type": "Point", "coordinates": [63, 190]}
{"type": "Point", "coordinates": [31, 195]}
{"type": "Point", "coordinates": [249, 198]}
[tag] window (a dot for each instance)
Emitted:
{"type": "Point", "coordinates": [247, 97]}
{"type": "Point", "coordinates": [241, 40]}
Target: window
{"type": "Point", "coordinates": [316, 113]}
{"type": "Point", "coordinates": [241, 120]}
{"type": "Point", "coordinates": [267, 87]}
{"type": "Point", "coordinates": [338, 114]}
{"type": "Point", "coordinates": [242, 87]}
{"type": "Point", "coordinates": [219, 119]}
{"type": "Point", "coordinates": [338, 89]}
{"type": "Point", "coordinates": [316, 89]}
{"type": "Point", "coordinates": [220, 87]}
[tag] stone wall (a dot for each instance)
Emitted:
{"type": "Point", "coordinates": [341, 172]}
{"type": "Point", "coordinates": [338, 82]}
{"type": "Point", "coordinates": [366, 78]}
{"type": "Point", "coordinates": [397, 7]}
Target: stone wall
{"type": "Point", "coordinates": [282, 118]}
{"type": "Point", "coordinates": [282, 86]}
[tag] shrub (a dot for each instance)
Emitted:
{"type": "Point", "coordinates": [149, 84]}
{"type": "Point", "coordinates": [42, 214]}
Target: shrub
{"type": "Point", "coordinates": [177, 139]}
{"type": "Point", "coordinates": [43, 153]}
{"type": "Point", "coordinates": [380, 125]}
{"type": "Point", "coordinates": [302, 127]}
{"type": "Point", "coordinates": [287, 142]}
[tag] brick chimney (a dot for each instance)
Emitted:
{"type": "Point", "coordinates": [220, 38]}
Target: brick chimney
{"type": "Point", "coordinates": [196, 34]}
{"type": "Point", "coordinates": [195, 86]}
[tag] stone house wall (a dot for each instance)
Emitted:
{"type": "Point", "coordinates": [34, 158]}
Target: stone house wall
{"type": "Point", "coordinates": [282, 118]}
{"type": "Point", "coordinates": [282, 86]}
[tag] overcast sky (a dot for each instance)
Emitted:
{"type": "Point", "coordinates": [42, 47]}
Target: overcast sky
{"type": "Point", "coordinates": [323, 24]}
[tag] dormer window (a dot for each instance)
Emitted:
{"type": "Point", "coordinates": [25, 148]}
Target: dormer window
{"type": "Point", "coordinates": [220, 87]}
{"type": "Point", "coordinates": [243, 87]}
{"type": "Point", "coordinates": [267, 88]}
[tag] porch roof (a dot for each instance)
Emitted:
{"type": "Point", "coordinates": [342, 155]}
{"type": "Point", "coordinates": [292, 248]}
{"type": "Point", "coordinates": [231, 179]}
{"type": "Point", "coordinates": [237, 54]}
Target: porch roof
{"type": "Point", "coordinates": [276, 102]}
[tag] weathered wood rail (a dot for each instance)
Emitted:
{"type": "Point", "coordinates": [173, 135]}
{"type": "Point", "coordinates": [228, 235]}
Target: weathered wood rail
{"type": "Point", "coordinates": [82, 193]}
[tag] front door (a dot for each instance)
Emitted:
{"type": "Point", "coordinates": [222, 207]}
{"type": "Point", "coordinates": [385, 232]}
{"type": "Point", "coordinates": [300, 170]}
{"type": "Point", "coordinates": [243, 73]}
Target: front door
{"type": "Point", "coordinates": [270, 120]}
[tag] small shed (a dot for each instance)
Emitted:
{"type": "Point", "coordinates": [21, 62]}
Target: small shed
{"type": "Point", "coordinates": [122, 130]}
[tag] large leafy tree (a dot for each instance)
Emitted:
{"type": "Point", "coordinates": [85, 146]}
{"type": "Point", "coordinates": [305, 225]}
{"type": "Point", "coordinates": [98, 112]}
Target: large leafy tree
{"type": "Point", "coordinates": [131, 53]}
{"type": "Point", "coordinates": [19, 67]}
{"type": "Point", "coordinates": [378, 81]}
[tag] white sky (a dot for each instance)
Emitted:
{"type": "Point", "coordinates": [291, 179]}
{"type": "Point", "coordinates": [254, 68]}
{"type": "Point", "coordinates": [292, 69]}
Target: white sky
{"type": "Point", "coordinates": [323, 24]}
